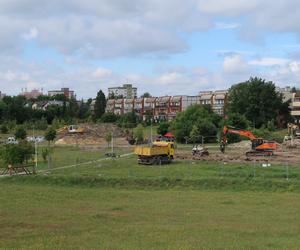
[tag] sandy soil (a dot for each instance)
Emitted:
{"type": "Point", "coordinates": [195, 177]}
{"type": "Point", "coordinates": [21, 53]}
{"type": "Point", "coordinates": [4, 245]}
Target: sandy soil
{"type": "Point", "coordinates": [236, 153]}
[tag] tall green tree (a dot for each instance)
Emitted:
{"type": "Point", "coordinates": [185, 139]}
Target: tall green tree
{"type": "Point", "coordinates": [196, 116]}
{"type": "Point", "coordinates": [100, 105]}
{"type": "Point", "coordinates": [257, 99]}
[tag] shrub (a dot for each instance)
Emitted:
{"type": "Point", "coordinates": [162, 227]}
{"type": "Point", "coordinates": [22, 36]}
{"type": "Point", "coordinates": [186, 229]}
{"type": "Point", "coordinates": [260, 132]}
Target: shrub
{"type": "Point", "coordinates": [109, 118]}
{"type": "Point", "coordinates": [4, 129]}
{"type": "Point", "coordinates": [139, 134]}
{"type": "Point", "coordinates": [41, 124]}
{"type": "Point", "coordinates": [20, 133]}
{"type": "Point", "coordinates": [17, 153]}
{"type": "Point", "coordinates": [163, 128]}
{"type": "Point", "coordinates": [50, 134]}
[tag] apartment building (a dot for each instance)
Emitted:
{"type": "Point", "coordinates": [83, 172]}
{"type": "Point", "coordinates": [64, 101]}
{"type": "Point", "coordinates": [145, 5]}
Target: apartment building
{"type": "Point", "coordinates": [127, 91]}
{"type": "Point", "coordinates": [110, 106]}
{"type": "Point", "coordinates": [119, 107]}
{"type": "Point", "coordinates": [167, 107]}
{"type": "Point", "coordinates": [286, 93]}
{"type": "Point", "coordinates": [162, 108]}
{"type": "Point", "coordinates": [128, 105]}
{"type": "Point", "coordinates": [63, 91]}
{"type": "Point", "coordinates": [219, 102]}
{"type": "Point", "coordinates": [149, 106]}
{"type": "Point", "coordinates": [33, 94]}
{"type": "Point", "coordinates": [295, 107]}
{"type": "Point", "coordinates": [206, 97]}
{"type": "Point", "coordinates": [138, 106]}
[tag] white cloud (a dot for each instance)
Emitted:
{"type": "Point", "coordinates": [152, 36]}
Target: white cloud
{"type": "Point", "coordinates": [269, 61]}
{"type": "Point", "coordinates": [223, 26]}
{"type": "Point", "coordinates": [234, 65]}
{"type": "Point", "coordinates": [31, 34]}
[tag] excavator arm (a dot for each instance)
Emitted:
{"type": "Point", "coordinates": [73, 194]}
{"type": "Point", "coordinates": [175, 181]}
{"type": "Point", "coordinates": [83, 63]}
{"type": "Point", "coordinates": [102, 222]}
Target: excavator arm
{"type": "Point", "coordinates": [259, 146]}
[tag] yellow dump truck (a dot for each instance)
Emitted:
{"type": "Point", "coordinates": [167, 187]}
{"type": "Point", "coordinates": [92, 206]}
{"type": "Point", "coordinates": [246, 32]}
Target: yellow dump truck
{"type": "Point", "coordinates": [158, 153]}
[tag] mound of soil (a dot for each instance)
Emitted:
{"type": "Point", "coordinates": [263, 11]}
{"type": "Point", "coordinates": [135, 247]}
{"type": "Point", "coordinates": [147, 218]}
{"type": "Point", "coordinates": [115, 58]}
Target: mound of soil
{"type": "Point", "coordinates": [94, 134]}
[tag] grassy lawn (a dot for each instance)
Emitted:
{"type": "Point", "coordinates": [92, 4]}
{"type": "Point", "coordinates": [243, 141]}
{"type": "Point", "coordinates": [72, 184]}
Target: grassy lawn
{"type": "Point", "coordinates": [127, 168]}
{"type": "Point", "coordinates": [50, 217]}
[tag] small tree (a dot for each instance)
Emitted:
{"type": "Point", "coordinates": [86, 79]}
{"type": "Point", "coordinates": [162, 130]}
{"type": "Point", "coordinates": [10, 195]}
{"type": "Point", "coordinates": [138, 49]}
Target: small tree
{"type": "Point", "coordinates": [20, 133]}
{"type": "Point", "coordinates": [108, 138]}
{"type": "Point", "coordinates": [194, 135]}
{"type": "Point", "coordinates": [139, 134]}
{"type": "Point", "coordinates": [50, 135]}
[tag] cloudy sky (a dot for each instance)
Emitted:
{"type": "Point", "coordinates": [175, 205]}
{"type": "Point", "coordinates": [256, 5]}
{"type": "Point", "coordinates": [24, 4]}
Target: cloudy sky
{"type": "Point", "coordinates": [161, 46]}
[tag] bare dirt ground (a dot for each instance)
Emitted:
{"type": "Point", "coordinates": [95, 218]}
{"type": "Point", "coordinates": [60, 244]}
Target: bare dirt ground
{"type": "Point", "coordinates": [236, 153]}
{"type": "Point", "coordinates": [93, 136]}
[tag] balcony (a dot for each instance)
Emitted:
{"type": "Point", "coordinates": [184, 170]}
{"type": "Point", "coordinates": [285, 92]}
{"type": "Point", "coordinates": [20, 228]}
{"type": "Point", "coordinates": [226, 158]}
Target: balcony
{"type": "Point", "coordinates": [296, 104]}
{"type": "Point", "coordinates": [295, 112]}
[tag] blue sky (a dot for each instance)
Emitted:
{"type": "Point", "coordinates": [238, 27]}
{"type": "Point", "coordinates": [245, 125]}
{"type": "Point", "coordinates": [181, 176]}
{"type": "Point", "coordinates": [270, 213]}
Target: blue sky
{"type": "Point", "coordinates": [170, 47]}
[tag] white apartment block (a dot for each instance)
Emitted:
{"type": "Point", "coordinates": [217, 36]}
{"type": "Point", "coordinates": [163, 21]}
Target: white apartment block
{"type": "Point", "coordinates": [126, 91]}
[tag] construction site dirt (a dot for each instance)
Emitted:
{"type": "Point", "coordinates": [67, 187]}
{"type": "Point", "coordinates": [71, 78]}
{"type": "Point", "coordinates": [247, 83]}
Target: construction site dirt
{"type": "Point", "coordinates": [282, 156]}
{"type": "Point", "coordinates": [93, 136]}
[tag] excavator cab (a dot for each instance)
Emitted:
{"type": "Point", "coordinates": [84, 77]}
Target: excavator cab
{"type": "Point", "coordinates": [257, 142]}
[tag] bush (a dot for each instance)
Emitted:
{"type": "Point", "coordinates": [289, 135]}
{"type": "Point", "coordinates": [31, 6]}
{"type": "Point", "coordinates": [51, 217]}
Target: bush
{"type": "Point", "coordinates": [17, 153]}
{"type": "Point", "coordinates": [163, 128]}
{"type": "Point", "coordinates": [109, 118]}
{"type": "Point", "coordinates": [45, 154]}
{"type": "Point", "coordinates": [20, 133]}
{"type": "Point", "coordinates": [4, 129]}
{"type": "Point", "coordinates": [41, 124]}
{"type": "Point", "coordinates": [139, 134]}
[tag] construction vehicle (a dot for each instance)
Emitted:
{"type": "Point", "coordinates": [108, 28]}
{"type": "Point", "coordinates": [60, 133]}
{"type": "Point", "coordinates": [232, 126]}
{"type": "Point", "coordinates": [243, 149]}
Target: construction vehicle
{"type": "Point", "coordinates": [158, 153]}
{"type": "Point", "coordinates": [199, 150]}
{"type": "Point", "coordinates": [259, 147]}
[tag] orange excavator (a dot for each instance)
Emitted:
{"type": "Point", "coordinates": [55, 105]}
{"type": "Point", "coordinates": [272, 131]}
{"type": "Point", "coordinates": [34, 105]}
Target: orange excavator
{"type": "Point", "coordinates": [260, 147]}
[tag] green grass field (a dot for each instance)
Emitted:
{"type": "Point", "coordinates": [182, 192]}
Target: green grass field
{"type": "Point", "coordinates": [118, 204]}
{"type": "Point", "coordinates": [50, 217]}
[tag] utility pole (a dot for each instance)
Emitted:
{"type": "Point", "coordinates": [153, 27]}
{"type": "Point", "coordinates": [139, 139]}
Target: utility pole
{"type": "Point", "coordinates": [112, 143]}
{"type": "Point", "coordinates": [35, 153]}
{"type": "Point", "coordinates": [151, 132]}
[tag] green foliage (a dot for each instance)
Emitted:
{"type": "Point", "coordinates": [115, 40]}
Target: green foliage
{"type": "Point", "coordinates": [129, 120]}
{"type": "Point", "coordinates": [108, 138]}
{"type": "Point", "coordinates": [238, 121]}
{"type": "Point", "coordinates": [195, 134]}
{"type": "Point", "coordinates": [4, 129]}
{"type": "Point", "coordinates": [271, 125]}
{"type": "Point", "coordinates": [163, 127]}
{"type": "Point", "coordinates": [197, 115]}
{"type": "Point", "coordinates": [148, 118]}
{"type": "Point", "coordinates": [56, 123]}
{"type": "Point", "coordinates": [45, 153]}
{"type": "Point", "coordinates": [109, 117]}
{"type": "Point", "coordinates": [41, 124]}
{"type": "Point", "coordinates": [20, 133]}
{"type": "Point", "coordinates": [17, 153]}
{"type": "Point", "coordinates": [146, 95]}
{"type": "Point", "coordinates": [256, 99]}
{"type": "Point", "coordinates": [100, 105]}
{"type": "Point", "coordinates": [50, 134]}
{"type": "Point", "coordinates": [139, 134]}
